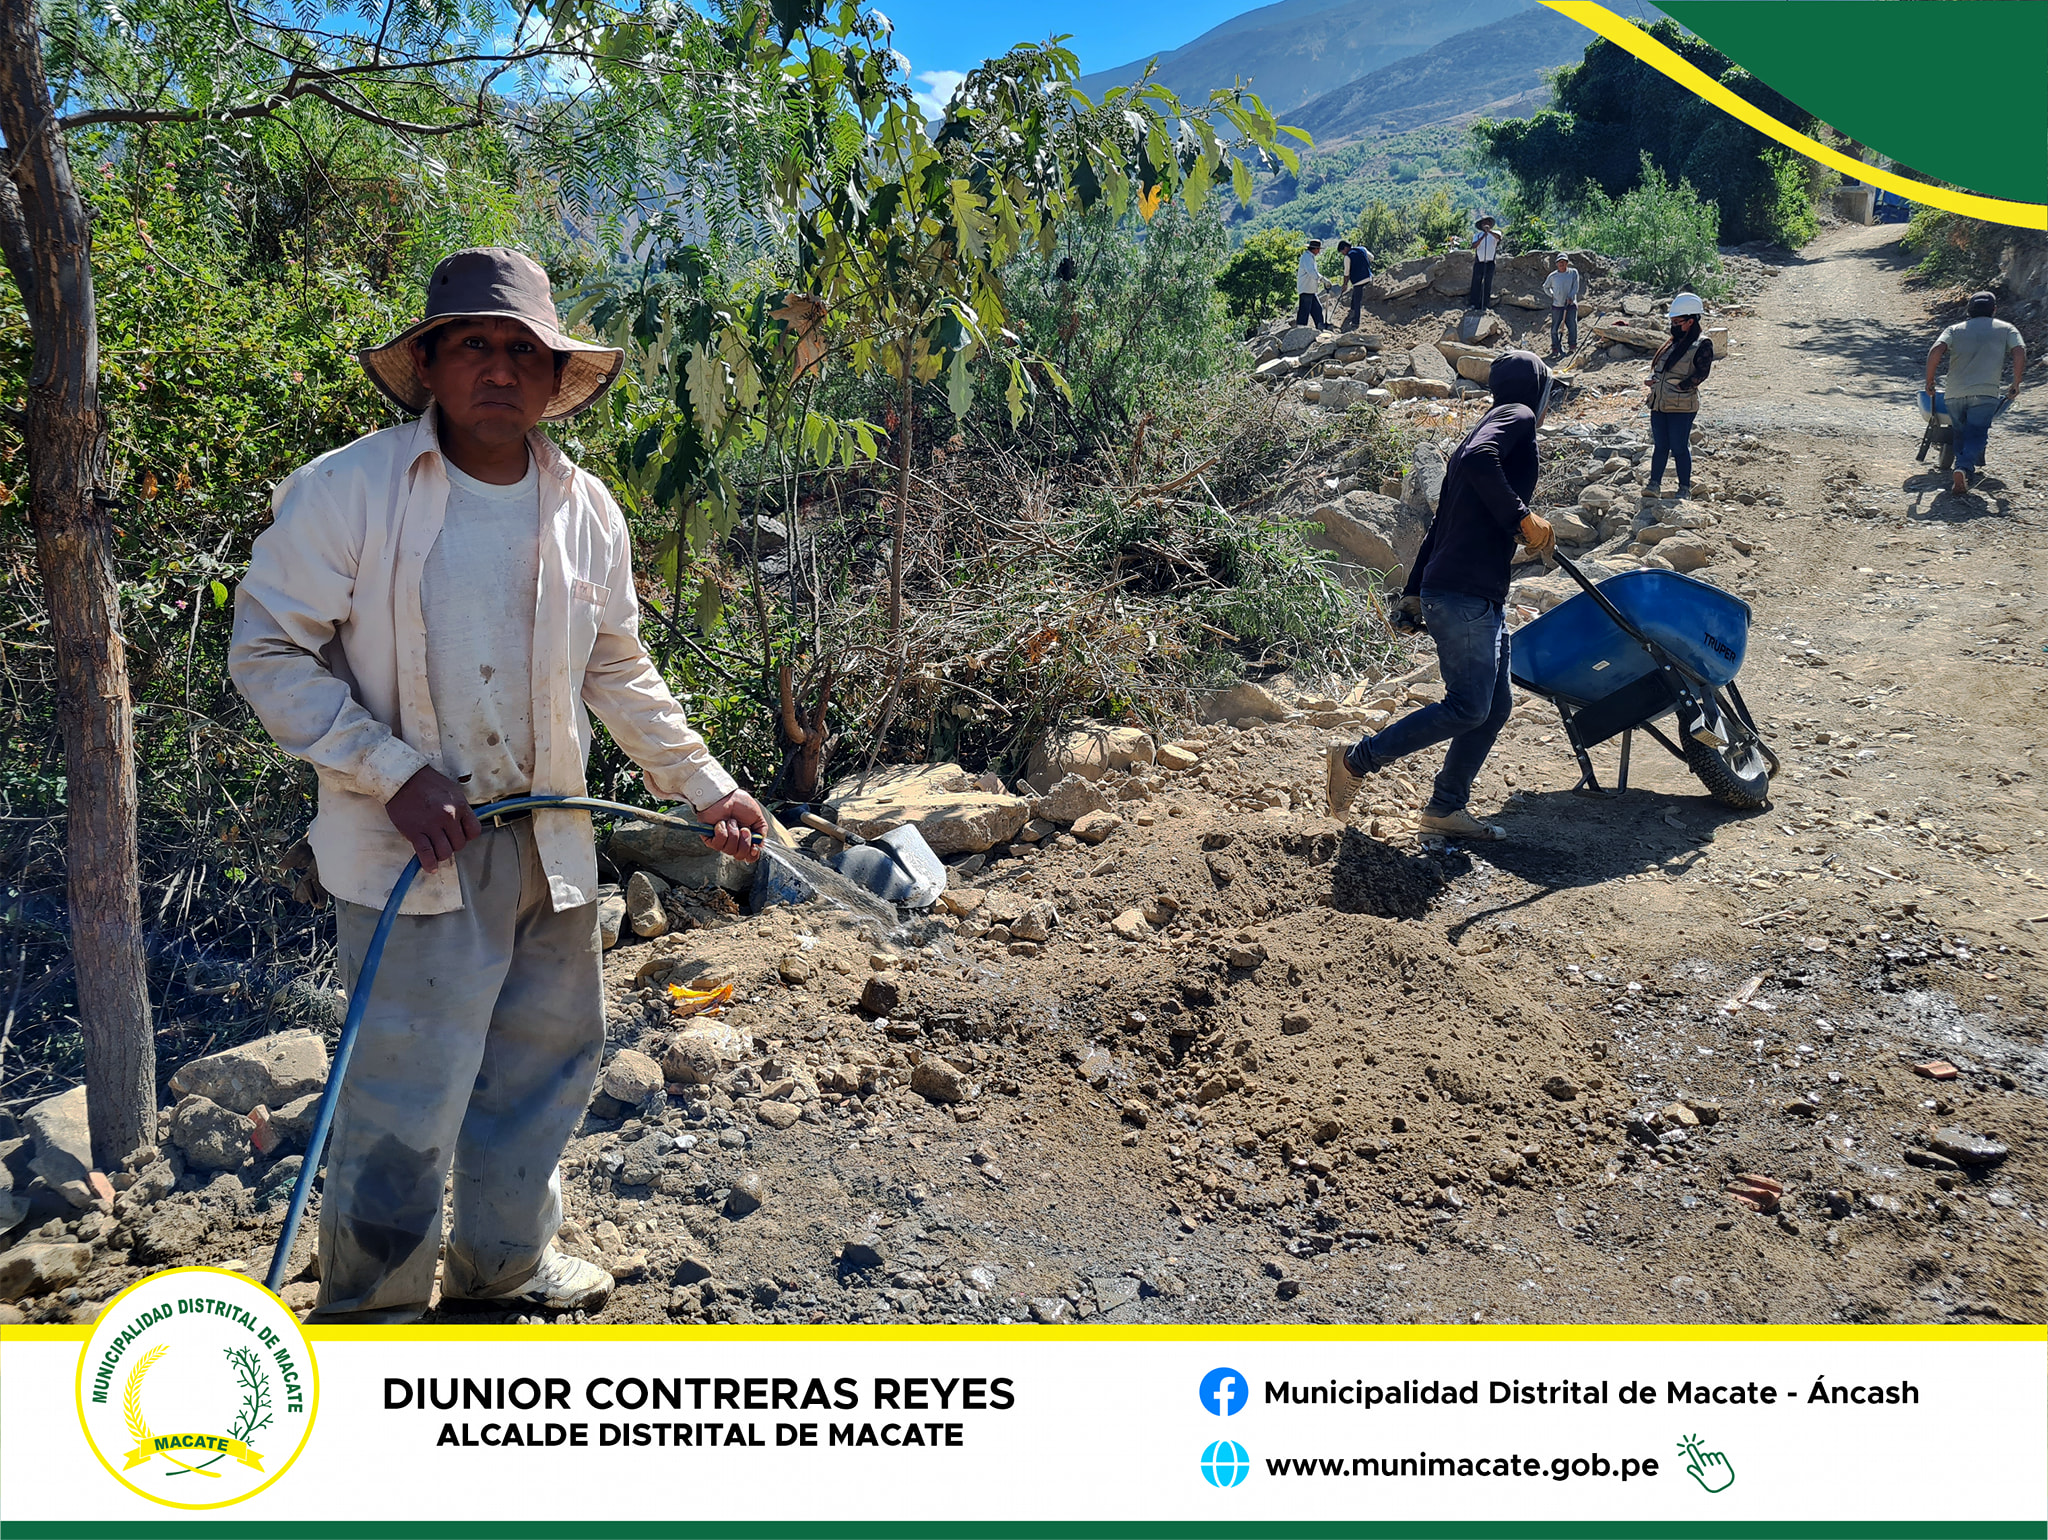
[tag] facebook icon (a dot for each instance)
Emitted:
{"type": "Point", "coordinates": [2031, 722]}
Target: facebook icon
{"type": "Point", "coordinates": [1222, 1392]}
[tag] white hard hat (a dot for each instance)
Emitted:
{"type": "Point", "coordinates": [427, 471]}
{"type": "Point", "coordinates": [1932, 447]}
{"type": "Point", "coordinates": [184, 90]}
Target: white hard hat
{"type": "Point", "coordinates": [1688, 304]}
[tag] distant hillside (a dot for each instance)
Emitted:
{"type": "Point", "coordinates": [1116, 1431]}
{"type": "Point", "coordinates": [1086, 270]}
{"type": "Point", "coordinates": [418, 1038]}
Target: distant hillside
{"type": "Point", "coordinates": [1336, 183]}
{"type": "Point", "coordinates": [1298, 50]}
{"type": "Point", "coordinates": [1499, 66]}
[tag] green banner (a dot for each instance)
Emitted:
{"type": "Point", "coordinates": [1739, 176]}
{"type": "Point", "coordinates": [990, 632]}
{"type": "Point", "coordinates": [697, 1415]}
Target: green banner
{"type": "Point", "coordinates": [1955, 89]}
{"type": "Point", "coordinates": [977, 1529]}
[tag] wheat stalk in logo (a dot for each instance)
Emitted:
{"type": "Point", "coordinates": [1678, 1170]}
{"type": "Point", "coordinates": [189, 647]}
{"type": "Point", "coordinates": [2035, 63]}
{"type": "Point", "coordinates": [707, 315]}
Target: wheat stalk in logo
{"type": "Point", "coordinates": [138, 1425]}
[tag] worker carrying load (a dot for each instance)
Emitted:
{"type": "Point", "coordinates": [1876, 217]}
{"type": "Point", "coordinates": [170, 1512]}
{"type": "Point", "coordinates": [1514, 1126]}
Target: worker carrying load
{"type": "Point", "coordinates": [373, 636]}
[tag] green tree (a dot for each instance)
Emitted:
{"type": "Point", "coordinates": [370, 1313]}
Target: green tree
{"type": "Point", "coordinates": [1259, 278]}
{"type": "Point", "coordinates": [584, 94]}
{"type": "Point", "coordinates": [1612, 109]}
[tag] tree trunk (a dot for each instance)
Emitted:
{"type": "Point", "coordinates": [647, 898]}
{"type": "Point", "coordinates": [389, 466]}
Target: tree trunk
{"type": "Point", "coordinates": [45, 236]}
{"type": "Point", "coordinates": [902, 502]}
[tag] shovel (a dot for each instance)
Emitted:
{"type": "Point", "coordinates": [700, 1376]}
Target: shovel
{"type": "Point", "coordinates": [899, 866]}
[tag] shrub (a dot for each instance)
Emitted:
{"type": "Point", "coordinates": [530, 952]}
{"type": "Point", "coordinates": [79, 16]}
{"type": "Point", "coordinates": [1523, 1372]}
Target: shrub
{"type": "Point", "coordinates": [1139, 319]}
{"type": "Point", "coordinates": [1664, 234]}
{"type": "Point", "coordinates": [1955, 251]}
{"type": "Point", "coordinates": [1380, 442]}
{"type": "Point", "coordinates": [1259, 277]}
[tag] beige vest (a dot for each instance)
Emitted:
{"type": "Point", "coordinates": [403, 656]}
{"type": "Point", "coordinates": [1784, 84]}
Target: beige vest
{"type": "Point", "coordinates": [1672, 387]}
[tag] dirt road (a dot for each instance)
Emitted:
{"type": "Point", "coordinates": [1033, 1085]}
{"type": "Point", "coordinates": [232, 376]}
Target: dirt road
{"type": "Point", "coordinates": [1337, 1076]}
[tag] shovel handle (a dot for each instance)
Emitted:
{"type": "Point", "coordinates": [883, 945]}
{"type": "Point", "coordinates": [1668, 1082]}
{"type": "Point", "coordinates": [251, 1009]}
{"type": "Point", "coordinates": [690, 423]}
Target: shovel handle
{"type": "Point", "coordinates": [811, 820]}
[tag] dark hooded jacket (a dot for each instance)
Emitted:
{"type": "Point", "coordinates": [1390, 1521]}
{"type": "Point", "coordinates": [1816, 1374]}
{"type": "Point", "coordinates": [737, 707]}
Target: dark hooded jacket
{"type": "Point", "coordinates": [1487, 485]}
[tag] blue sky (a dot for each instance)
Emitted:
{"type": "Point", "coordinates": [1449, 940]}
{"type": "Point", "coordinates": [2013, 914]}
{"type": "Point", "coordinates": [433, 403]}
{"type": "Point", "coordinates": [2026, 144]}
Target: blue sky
{"type": "Point", "coordinates": [943, 39]}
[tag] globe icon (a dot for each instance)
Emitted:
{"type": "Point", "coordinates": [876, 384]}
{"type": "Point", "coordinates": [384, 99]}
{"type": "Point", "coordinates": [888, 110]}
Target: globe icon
{"type": "Point", "coordinates": [1225, 1464]}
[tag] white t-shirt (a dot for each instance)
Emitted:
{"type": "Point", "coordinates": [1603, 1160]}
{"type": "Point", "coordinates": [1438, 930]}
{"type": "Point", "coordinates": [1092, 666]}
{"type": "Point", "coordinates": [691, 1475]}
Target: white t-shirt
{"type": "Point", "coordinates": [1489, 243]}
{"type": "Point", "coordinates": [478, 592]}
{"type": "Point", "coordinates": [1308, 280]}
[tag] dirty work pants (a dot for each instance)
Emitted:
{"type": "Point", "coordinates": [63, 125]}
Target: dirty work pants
{"type": "Point", "coordinates": [1671, 437]}
{"type": "Point", "coordinates": [1970, 416]}
{"type": "Point", "coordinates": [1472, 647]}
{"type": "Point", "coordinates": [1309, 307]}
{"type": "Point", "coordinates": [1357, 304]}
{"type": "Point", "coordinates": [1564, 318]}
{"type": "Point", "coordinates": [477, 1052]}
{"type": "Point", "coordinates": [1481, 297]}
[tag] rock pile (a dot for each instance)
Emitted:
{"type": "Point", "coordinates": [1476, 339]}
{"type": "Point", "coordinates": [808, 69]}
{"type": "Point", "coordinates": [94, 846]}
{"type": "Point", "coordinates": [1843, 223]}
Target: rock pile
{"type": "Point", "coordinates": [225, 1153]}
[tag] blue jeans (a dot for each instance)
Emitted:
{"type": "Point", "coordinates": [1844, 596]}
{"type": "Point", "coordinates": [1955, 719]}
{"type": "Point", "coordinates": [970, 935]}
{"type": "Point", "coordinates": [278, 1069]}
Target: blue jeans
{"type": "Point", "coordinates": [1561, 318]}
{"type": "Point", "coordinates": [1472, 652]}
{"type": "Point", "coordinates": [1671, 434]}
{"type": "Point", "coordinates": [1971, 418]}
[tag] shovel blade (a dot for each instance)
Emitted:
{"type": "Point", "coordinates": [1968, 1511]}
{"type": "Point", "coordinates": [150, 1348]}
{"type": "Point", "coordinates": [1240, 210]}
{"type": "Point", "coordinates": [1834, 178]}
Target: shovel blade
{"type": "Point", "coordinates": [898, 866]}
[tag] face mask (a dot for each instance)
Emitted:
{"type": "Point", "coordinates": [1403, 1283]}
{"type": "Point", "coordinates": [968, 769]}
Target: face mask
{"type": "Point", "coordinates": [1679, 328]}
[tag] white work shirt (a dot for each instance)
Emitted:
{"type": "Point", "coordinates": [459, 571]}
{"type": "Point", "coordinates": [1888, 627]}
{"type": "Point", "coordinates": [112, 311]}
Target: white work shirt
{"type": "Point", "coordinates": [1308, 280]}
{"type": "Point", "coordinates": [1488, 245]}
{"type": "Point", "coordinates": [480, 651]}
{"type": "Point", "coordinates": [331, 650]}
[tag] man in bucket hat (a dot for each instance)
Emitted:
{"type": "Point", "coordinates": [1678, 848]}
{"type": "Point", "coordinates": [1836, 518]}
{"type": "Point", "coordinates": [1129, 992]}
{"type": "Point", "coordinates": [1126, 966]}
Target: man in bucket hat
{"type": "Point", "coordinates": [430, 618]}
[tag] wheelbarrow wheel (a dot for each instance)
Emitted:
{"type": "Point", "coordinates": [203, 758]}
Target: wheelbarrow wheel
{"type": "Point", "coordinates": [1737, 776]}
{"type": "Point", "coordinates": [1948, 453]}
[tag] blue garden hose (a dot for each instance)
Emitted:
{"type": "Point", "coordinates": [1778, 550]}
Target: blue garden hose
{"type": "Point", "coordinates": [316, 1141]}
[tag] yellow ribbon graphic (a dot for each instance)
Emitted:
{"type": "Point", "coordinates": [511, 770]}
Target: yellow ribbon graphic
{"type": "Point", "coordinates": [169, 1445]}
{"type": "Point", "coordinates": [1623, 34]}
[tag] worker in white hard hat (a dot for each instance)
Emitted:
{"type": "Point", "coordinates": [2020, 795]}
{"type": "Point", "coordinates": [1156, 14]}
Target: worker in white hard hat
{"type": "Point", "coordinates": [1677, 370]}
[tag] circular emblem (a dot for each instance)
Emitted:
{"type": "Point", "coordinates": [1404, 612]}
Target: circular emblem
{"type": "Point", "coordinates": [197, 1388]}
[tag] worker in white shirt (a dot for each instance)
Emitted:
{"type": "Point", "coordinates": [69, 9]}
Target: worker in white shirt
{"type": "Point", "coordinates": [1485, 246]}
{"type": "Point", "coordinates": [1562, 285]}
{"type": "Point", "coordinates": [1309, 285]}
{"type": "Point", "coordinates": [429, 619]}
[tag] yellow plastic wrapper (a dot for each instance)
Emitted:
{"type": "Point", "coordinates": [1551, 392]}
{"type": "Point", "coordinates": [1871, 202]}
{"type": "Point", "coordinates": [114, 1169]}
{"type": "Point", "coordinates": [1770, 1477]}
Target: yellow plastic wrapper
{"type": "Point", "coordinates": [683, 1001]}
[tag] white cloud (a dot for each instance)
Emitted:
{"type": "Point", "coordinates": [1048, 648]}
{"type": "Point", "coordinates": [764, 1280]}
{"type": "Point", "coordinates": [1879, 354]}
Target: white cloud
{"type": "Point", "coordinates": [939, 86]}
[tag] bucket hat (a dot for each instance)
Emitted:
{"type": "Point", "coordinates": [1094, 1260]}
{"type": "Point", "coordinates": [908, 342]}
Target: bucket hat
{"type": "Point", "coordinates": [490, 282]}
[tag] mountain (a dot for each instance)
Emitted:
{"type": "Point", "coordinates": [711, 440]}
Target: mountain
{"type": "Point", "coordinates": [1498, 67]}
{"type": "Point", "coordinates": [1297, 50]}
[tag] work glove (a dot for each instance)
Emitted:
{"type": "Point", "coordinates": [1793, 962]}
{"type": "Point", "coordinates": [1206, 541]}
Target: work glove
{"type": "Point", "coordinates": [1407, 616]}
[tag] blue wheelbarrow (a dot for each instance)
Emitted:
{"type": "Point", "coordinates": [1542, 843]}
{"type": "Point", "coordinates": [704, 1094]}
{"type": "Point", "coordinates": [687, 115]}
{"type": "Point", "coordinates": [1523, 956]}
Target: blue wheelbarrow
{"type": "Point", "coordinates": [1638, 648]}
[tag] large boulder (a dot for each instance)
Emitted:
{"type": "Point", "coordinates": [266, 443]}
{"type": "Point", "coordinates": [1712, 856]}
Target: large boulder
{"type": "Point", "coordinates": [699, 1054]}
{"type": "Point", "coordinates": [63, 1145]}
{"type": "Point", "coordinates": [951, 810]}
{"type": "Point", "coordinates": [42, 1268]}
{"type": "Point", "coordinates": [1090, 750]}
{"type": "Point", "coordinates": [1298, 339]}
{"type": "Point", "coordinates": [1478, 328]}
{"type": "Point", "coordinates": [269, 1072]}
{"type": "Point", "coordinates": [213, 1137]}
{"type": "Point", "coordinates": [1687, 552]}
{"type": "Point", "coordinates": [1378, 532]}
{"type": "Point", "coordinates": [1453, 275]}
{"type": "Point", "coordinates": [1425, 479]}
{"type": "Point", "coordinates": [1410, 387]}
{"type": "Point", "coordinates": [1430, 364]}
{"type": "Point", "coordinates": [676, 855]}
{"type": "Point", "coordinates": [1071, 797]}
{"type": "Point", "coordinates": [1244, 699]}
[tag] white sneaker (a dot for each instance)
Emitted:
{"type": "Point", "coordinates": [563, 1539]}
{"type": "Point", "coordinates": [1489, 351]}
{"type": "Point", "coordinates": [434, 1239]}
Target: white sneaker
{"type": "Point", "coordinates": [561, 1282]}
{"type": "Point", "coordinates": [1459, 825]}
{"type": "Point", "coordinates": [1341, 783]}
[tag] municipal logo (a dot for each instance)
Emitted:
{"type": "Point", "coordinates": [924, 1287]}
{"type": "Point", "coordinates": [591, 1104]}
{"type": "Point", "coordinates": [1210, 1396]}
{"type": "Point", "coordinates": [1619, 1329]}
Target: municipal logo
{"type": "Point", "coordinates": [1225, 1464]}
{"type": "Point", "coordinates": [1222, 1392]}
{"type": "Point", "coordinates": [197, 1388]}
